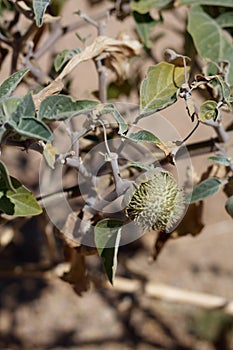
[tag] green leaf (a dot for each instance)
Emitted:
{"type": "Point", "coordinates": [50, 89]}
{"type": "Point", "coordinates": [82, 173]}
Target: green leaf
{"type": "Point", "coordinates": [144, 136]}
{"type": "Point", "coordinates": [144, 24]}
{"type": "Point", "coordinates": [107, 240]}
{"type": "Point", "coordinates": [39, 8]}
{"type": "Point", "coordinates": [143, 6]}
{"type": "Point", "coordinates": [23, 200]}
{"type": "Point", "coordinates": [110, 108]}
{"type": "Point", "coordinates": [9, 106]}
{"type": "Point", "coordinates": [205, 189]}
{"type": "Point", "coordinates": [160, 88]}
{"type": "Point", "coordinates": [64, 58]}
{"type": "Point", "coordinates": [208, 110]}
{"type": "Point", "coordinates": [226, 3]}
{"type": "Point", "coordinates": [209, 39]}
{"type": "Point", "coordinates": [32, 127]}
{"type": "Point", "coordinates": [2, 132]}
{"type": "Point", "coordinates": [225, 91]}
{"type": "Point", "coordinates": [15, 199]}
{"type": "Point", "coordinates": [20, 115]}
{"type": "Point", "coordinates": [60, 107]}
{"type": "Point", "coordinates": [24, 107]}
{"type": "Point", "coordinates": [5, 179]}
{"type": "Point", "coordinates": [226, 161]}
{"type": "Point", "coordinates": [229, 206]}
{"type": "Point", "coordinates": [10, 84]}
{"type": "Point", "coordinates": [6, 206]}
{"type": "Point", "coordinates": [49, 154]}
{"type": "Point", "coordinates": [225, 20]}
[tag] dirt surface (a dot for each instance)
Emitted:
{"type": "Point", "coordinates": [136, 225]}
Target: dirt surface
{"type": "Point", "coordinates": [39, 311]}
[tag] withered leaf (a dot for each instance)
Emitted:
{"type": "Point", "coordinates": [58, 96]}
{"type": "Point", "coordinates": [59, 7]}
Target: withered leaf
{"type": "Point", "coordinates": [115, 52]}
{"type": "Point", "coordinates": [77, 276]}
{"type": "Point", "coordinates": [192, 221]}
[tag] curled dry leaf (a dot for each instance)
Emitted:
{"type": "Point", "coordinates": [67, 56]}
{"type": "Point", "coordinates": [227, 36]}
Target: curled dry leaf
{"type": "Point", "coordinates": [115, 52]}
{"type": "Point", "coordinates": [77, 275]}
{"type": "Point", "coordinates": [191, 224]}
{"type": "Point", "coordinates": [175, 58]}
{"type": "Point", "coordinates": [159, 244]}
{"type": "Point", "coordinates": [228, 188]}
{"type": "Point", "coordinates": [52, 89]}
{"type": "Point", "coordinates": [192, 221]}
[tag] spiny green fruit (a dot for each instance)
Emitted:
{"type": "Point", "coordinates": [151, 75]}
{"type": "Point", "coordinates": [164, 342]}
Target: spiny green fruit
{"type": "Point", "coordinates": [156, 202]}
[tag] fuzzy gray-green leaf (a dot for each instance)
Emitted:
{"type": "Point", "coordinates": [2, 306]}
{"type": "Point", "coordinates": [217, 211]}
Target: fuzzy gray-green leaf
{"type": "Point", "coordinates": [60, 107]}
{"type": "Point", "coordinates": [107, 240]}
{"type": "Point", "coordinates": [226, 161]}
{"type": "Point", "coordinates": [34, 128]}
{"type": "Point", "coordinates": [144, 136]}
{"type": "Point", "coordinates": [160, 87]}
{"type": "Point", "coordinates": [226, 3]}
{"type": "Point", "coordinates": [204, 190]}
{"type": "Point", "coordinates": [10, 84]}
{"type": "Point", "coordinates": [209, 39]}
{"type": "Point", "coordinates": [225, 20]}
{"type": "Point", "coordinates": [5, 179]}
{"type": "Point", "coordinates": [143, 6]}
{"type": "Point", "coordinates": [24, 108]}
{"type": "Point", "coordinates": [39, 8]}
{"type": "Point", "coordinates": [23, 200]}
{"type": "Point", "coordinates": [229, 206]}
{"type": "Point", "coordinates": [110, 108]}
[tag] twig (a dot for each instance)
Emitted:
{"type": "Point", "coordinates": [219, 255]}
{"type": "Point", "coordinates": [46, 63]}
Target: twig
{"type": "Point", "coordinates": [88, 19]}
{"type": "Point", "coordinates": [219, 129]}
{"type": "Point", "coordinates": [5, 40]}
{"type": "Point", "coordinates": [222, 134]}
{"type": "Point", "coordinates": [121, 185]}
{"type": "Point", "coordinates": [99, 66]}
{"type": "Point", "coordinates": [41, 77]}
{"type": "Point", "coordinates": [27, 12]}
{"type": "Point", "coordinates": [59, 32]}
{"type": "Point", "coordinates": [102, 81]}
{"type": "Point", "coordinates": [179, 143]}
{"type": "Point", "coordinates": [174, 294]}
{"type": "Point", "coordinates": [17, 44]}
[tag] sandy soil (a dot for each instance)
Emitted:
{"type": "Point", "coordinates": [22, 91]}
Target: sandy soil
{"type": "Point", "coordinates": [40, 311]}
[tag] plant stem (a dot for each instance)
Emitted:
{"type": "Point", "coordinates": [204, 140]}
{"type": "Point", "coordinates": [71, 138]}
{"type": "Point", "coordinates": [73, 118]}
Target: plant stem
{"type": "Point", "coordinates": [59, 32]}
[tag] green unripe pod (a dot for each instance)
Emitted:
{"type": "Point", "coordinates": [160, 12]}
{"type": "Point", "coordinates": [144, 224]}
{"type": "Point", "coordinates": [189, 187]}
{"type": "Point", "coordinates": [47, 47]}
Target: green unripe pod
{"type": "Point", "coordinates": [156, 202]}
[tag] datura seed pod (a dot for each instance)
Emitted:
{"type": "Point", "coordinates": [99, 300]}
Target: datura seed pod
{"type": "Point", "coordinates": [155, 202]}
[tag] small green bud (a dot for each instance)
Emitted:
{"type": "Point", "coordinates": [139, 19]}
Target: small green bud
{"type": "Point", "coordinates": [208, 110]}
{"type": "Point", "coordinates": [156, 203]}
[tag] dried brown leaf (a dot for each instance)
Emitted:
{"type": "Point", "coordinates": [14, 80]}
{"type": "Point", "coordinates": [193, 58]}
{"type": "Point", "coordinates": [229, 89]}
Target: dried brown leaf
{"type": "Point", "coordinates": [115, 52]}
{"type": "Point", "coordinates": [52, 89]}
{"type": "Point", "coordinates": [160, 242]}
{"type": "Point", "coordinates": [228, 188]}
{"type": "Point", "coordinates": [192, 221]}
{"type": "Point", "coordinates": [191, 224]}
{"type": "Point", "coordinates": [77, 275]}
{"type": "Point", "coordinates": [173, 57]}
